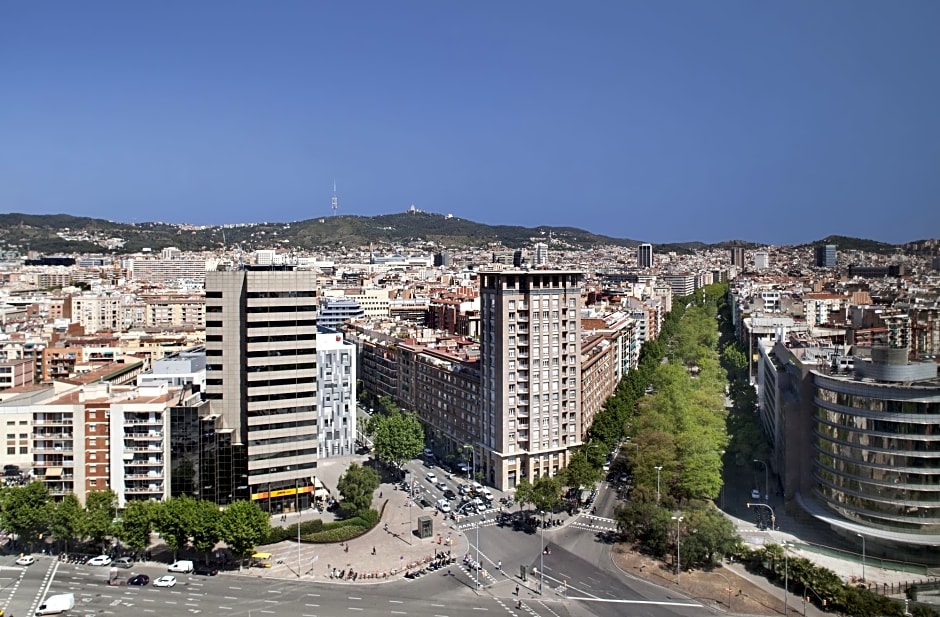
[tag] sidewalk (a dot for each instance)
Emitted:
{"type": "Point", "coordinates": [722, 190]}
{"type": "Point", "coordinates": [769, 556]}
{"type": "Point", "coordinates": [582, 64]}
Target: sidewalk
{"type": "Point", "coordinates": [384, 553]}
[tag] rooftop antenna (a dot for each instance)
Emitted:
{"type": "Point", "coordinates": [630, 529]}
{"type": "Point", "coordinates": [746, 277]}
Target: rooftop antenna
{"type": "Point", "coordinates": [335, 201]}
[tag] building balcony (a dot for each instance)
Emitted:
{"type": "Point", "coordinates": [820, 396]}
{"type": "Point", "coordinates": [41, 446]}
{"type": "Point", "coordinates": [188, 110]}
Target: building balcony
{"type": "Point", "coordinates": [45, 449]}
{"type": "Point", "coordinates": [58, 422]}
{"type": "Point", "coordinates": [138, 422]}
{"type": "Point", "coordinates": [143, 436]}
{"type": "Point", "coordinates": [143, 463]}
{"type": "Point", "coordinates": [154, 490]}
{"type": "Point", "coordinates": [144, 476]}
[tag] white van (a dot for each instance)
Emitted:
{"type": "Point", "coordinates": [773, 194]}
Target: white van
{"type": "Point", "coordinates": [487, 495]}
{"type": "Point", "coordinates": [185, 566]}
{"type": "Point", "coordinates": [57, 604]}
{"type": "Point", "coordinates": [443, 506]}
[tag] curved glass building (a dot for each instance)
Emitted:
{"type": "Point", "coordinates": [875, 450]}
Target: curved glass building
{"type": "Point", "coordinates": [876, 458]}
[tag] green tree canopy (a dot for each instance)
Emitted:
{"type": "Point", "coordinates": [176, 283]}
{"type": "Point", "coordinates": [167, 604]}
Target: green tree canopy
{"type": "Point", "coordinates": [546, 493]}
{"type": "Point", "coordinates": [206, 532]}
{"type": "Point", "coordinates": [243, 525]}
{"type": "Point", "coordinates": [357, 486]}
{"type": "Point", "coordinates": [398, 437]}
{"type": "Point", "coordinates": [136, 524]}
{"type": "Point", "coordinates": [580, 470]}
{"type": "Point", "coordinates": [100, 510]}
{"type": "Point", "coordinates": [175, 520]}
{"type": "Point", "coordinates": [25, 510]}
{"type": "Point", "coordinates": [66, 520]}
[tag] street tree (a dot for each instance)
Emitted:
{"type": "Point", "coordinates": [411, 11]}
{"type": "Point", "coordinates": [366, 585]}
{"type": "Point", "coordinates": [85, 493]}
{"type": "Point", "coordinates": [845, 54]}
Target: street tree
{"type": "Point", "coordinates": [174, 520]}
{"type": "Point", "coordinates": [25, 510]}
{"type": "Point", "coordinates": [398, 438]}
{"type": "Point", "coordinates": [100, 510]}
{"type": "Point", "coordinates": [65, 521]}
{"type": "Point", "coordinates": [206, 533]}
{"type": "Point", "coordinates": [136, 525]}
{"type": "Point", "coordinates": [581, 471]}
{"type": "Point", "coordinates": [242, 526]}
{"type": "Point", "coordinates": [546, 493]}
{"type": "Point", "coordinates": [524, 494]}
{"type": "Point", "coordinates": [357, 486]}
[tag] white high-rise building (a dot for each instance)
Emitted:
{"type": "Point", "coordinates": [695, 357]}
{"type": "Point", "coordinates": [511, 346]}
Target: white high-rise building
{"type": "Point", "coordinates": [541, 254]}
{"type": "Point", "coordinates": [336, 394]}
{"type": "Point", "coordinates": [761, 260]}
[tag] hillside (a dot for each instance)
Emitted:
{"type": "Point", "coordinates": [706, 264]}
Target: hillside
{"type": "Point", "coordinates": [63, 233]}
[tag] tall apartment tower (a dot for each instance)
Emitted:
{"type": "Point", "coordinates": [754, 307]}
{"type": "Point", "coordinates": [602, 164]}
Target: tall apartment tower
{"type": "Point", "coordinates": [261, 377]}
{"type": "Point", "coordinates": [737, 256]}
{"type": "Point", "coordinates": [826, 256]}
{"type": "Point", "coordinates": [541, 253]}
{"type": "Point", "coordinates": [644, 256]}
{"type": "Point", "coordinates": [530, 324]}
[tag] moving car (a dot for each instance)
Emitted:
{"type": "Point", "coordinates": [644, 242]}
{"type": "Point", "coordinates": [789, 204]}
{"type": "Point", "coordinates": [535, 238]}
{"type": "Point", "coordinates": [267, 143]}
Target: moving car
{"type": "Point", "coordinates": [123, 562]}
{"type": "Point", "coordinates": [443, 506]}
{"type": "Point", "coordinates": [442, 486]}
{"type": "Point", "coordinates": [449, 494]}
{"type": "Point", "coordinates": [185, 566]}
{"type": "Point", "coordinates": [26, 560]}
{"type": "Point", "coordinates": [165, 581]}
{"type": "Point", "coordinates": [138, 580]}
{"type": "Point", "coordinates": [431, 477]}
{"type": "Point", "coordinates": [204, 570]}
{"type": "Point", "coordinates": [755, 494]}
{"type": "Point", "coordinates": [100, 560]}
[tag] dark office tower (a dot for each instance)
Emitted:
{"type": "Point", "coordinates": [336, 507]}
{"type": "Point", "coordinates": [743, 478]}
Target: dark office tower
{"type": "Point", "coordinates": [644, 256]}
{"type": "Point", "coordinates": [737, 256]}
{"type": "Point", "coordinates": [442, 259]}
{"type": "Point", "coordinates": [205, 463]}
{"type": "Point", "coordinates": [826, 256]}
{"type": "Point", "coordinates": [261, 377]}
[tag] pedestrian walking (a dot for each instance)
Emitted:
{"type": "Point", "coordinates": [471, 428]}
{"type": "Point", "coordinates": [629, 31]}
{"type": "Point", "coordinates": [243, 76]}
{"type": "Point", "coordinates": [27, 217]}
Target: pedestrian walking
{"type": "Point", "coordinates": [373, 550]}
{"type": "Point", "coordinates": [386, 526]}
{"type": "Point", "coordinates": [499, 565]}
{"type": "Point", "coordinates": [517, 590]}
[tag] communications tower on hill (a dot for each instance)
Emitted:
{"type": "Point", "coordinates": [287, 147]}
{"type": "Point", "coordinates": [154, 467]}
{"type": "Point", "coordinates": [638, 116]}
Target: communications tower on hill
{"type": "Point", "coordinates": [334, 203]}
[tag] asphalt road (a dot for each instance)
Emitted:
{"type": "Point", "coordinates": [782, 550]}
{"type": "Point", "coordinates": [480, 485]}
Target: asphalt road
{"type": "Point", "coordinates": [435, 595]}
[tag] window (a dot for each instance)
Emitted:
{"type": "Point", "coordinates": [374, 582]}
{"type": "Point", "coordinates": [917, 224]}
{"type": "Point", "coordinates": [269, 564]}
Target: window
{"type": "Point", "coordinates": [11, 423]}
{"type": "Point", "coordinates": [512, 304]}
{"type": "Point", "coordinates": [24, 449]}
{"type": "Point", "coordinates": [24, 435]}
{"type": "Point", "coordinates": [11, 435]}
{"type": "Point", "coordinates": [11, 450]}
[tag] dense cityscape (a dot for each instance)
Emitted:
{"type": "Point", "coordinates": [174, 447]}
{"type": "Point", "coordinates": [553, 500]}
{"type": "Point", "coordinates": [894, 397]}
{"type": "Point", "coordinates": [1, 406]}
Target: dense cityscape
{"type": "Point", "coordinates": [704, 408]}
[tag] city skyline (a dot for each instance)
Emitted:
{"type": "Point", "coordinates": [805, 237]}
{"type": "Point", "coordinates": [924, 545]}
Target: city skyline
{"type": "Point", "coordinates": [661, 123]}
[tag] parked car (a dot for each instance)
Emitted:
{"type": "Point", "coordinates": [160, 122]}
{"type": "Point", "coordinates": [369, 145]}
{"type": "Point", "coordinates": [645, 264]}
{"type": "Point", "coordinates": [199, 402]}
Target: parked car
{"type": "Point", "coordinates": [204, 570]}
{"type": "Point", "coordinates": [139, 580]}
{"type": "Point", "coordinates": [123, 562]}
{"type": "Point", "coordinates": [26, 560]}
{"type": "Point", "coordinates": [755, 494]}
{"type": "Point", "coordinates": [165, 581]}
{"type": "Point", "coordinates": [100, 560]}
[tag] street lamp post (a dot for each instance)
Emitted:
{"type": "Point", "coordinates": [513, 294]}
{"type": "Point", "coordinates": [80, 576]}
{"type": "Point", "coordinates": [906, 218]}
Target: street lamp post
{"type": "Point", "coordinates": [542, 555]}
{"type": "Point", "coordinates": [677, 519]}
{"type": "Point", "coordinates": [297, 507]}
{"type": "Point", "coordinates": [766, 484]}
{"type": "Point", "coordinates": [786, 577]}
{"type": "Point", "coordinates": [773, 517]}
{"type": "Point", "coordinates": [863, 556]}
{"type": "Point", "coordinates": [659, 468]}
{"type": "Point", "coordinates": [479, 563]}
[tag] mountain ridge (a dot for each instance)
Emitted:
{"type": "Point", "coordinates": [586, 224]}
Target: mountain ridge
{"type": "Point", "coordinates": [64, 233]}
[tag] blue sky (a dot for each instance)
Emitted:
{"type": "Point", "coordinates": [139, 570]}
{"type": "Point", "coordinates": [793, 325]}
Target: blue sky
{"type": "Point", "coordinates": [776, 122]}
